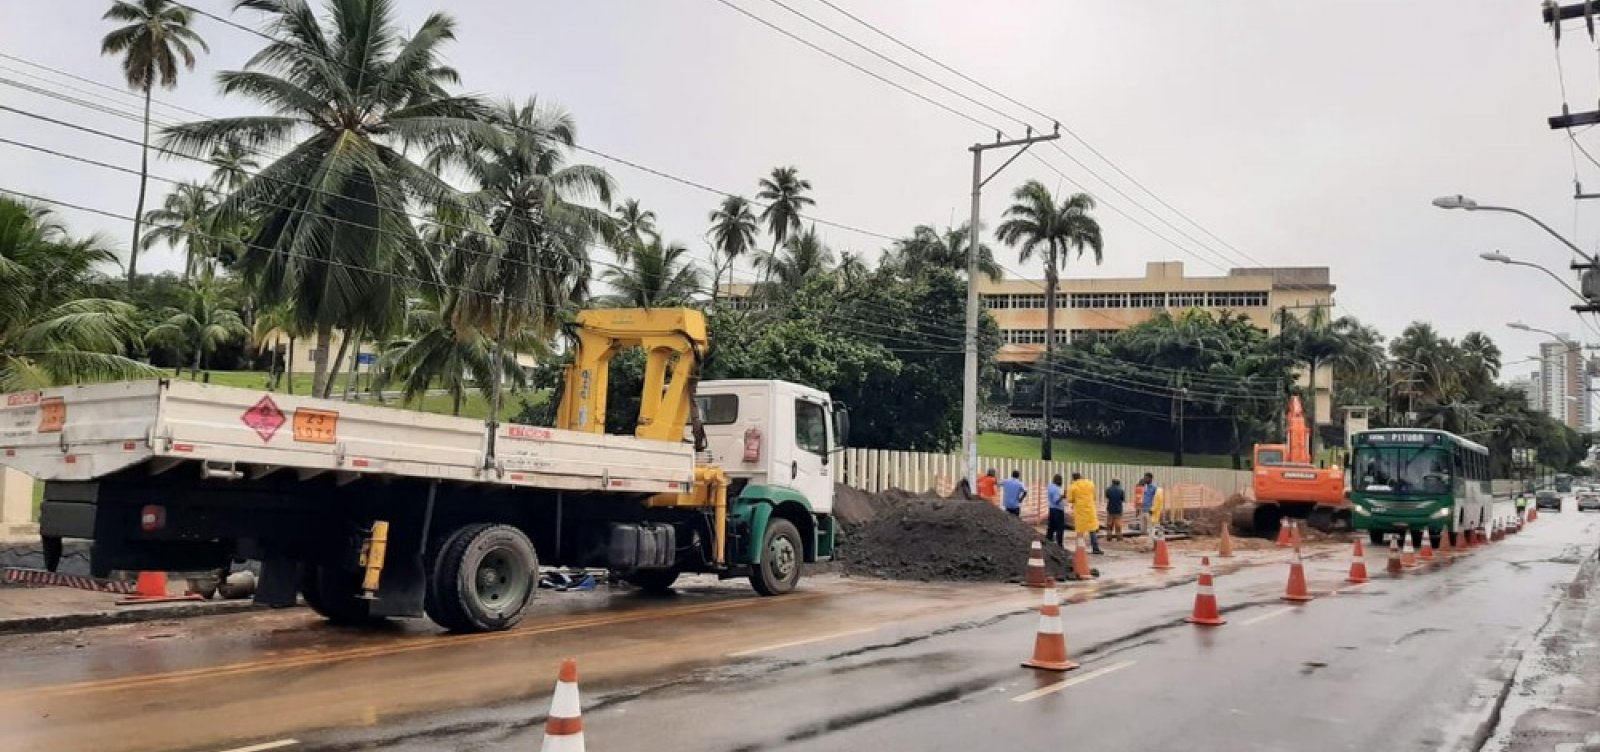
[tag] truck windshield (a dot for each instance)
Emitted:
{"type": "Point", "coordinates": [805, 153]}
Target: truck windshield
{"type": "Point", "coordinates": [1401, 470]}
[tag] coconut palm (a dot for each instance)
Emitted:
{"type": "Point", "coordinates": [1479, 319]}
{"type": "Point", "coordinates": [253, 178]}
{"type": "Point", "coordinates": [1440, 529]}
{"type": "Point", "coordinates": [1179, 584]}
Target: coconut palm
{"type": "Point", "coordinates": [268, 332]}
{"type": "Point", "coordinates": [232, 165]}
{"type": "Point", "coordinates": [852, 269]}
{"type": "Point", "coordinates": [204, 323]}
{"type": "Point", "coordinates": [635, 226]}
{"type": "Point", "coordinates": [656, 274]}
{"type": "Point", "coordinates": [185, 221]}
{"type": "Point", "coordinates": [53, 330]}
{"type": "Point", "coordinates": [348, 93]}
{"type": "Point", "coordinates": [804, 258]}
{"type": "Point", "coordinates": [784, 192]}
{"type": "Point", "coordinates": [733, 230]}
{"type": "Point", "coordinates": [155, 38]}
{"type": "Point", "coordinates": [931, 248]}
{"type": "Point", "coordinates": [1480, 364]}
{"type": "Point", "coordinates": [1037, 226]}
{"type": "Point", "coordinates": [438, 352]}
{"type": "Point", "coordinates": [523, 240]}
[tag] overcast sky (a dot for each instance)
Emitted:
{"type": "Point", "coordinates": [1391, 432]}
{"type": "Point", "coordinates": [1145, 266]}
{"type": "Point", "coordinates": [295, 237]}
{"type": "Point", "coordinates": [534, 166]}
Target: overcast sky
{"type": "Point", "coordinates": [1298, 138]}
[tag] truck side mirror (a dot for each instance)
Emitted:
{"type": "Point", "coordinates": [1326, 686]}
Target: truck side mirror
{"type": "Point", "coordinates": [841, 428]}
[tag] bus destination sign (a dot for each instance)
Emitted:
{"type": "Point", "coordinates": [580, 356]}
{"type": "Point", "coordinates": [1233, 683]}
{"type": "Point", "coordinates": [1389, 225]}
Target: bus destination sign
{"type": "Point", "coordinates": [1397, 437]}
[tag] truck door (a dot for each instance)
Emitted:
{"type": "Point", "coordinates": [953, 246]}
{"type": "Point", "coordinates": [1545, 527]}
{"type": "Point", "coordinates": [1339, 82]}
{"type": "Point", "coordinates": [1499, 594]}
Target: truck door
{"type": "Point", "coordinates": [809, 471]}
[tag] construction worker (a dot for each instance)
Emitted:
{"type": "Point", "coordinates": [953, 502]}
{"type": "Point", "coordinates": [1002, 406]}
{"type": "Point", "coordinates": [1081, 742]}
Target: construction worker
{"type": "Point", "coordinates": [1056, 527]}
{"type": "Point", "coordinates": [988, 488]}
{"type": "Point", "coordinates": [1147, 502]}
{"type": "Point", "coordinates": [1012, 492]}
{"type": "Point", "coordinates": [1115, 498]}
{"type": "Point", "coordinates": [1158, 507]}
{"type": "Point", "coordinates": [1085, 520]}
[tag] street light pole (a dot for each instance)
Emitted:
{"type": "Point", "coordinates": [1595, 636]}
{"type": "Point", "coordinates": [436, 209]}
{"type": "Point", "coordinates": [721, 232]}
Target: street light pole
{"type": "Point", "coordinates": [969, 382]}
{"type": "Point", "coordinates": [1500, 257]}
{"type": "Point", "coordinates": [1462, 202]}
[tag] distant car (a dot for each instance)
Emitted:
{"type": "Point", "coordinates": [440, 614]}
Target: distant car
{"type": "Point", "coordinates": [1589, 502]}
{"type": "Point", "coordinates": [1547, 500]}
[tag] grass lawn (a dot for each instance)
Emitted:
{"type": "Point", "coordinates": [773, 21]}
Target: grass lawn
{"type": "Point", "coordinates": [474, 406]}
{"type": "Point", "coordinates": [1079, 450]}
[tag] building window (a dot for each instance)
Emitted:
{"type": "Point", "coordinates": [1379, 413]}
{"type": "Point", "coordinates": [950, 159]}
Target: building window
{"type": "Point", "coordinates": [1081, 336]}
{"type": "Point", "coordinates": [1186, 299]}
{"type": "Point", "coordinates": [1147, 300]}
{"type": "Point", "coordinates": [1099, 300]}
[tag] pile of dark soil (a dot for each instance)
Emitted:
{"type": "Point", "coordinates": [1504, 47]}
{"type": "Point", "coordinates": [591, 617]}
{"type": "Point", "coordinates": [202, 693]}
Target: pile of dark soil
{"type": "Point", "coordinates": [928, 538]}
{"type": "Point", "coordinates": [1236, 511]}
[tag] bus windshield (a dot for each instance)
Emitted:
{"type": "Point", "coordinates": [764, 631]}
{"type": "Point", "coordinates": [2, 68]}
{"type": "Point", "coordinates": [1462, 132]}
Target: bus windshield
{"type": "Point", "coordinates": [1563, 483]}
{"type": "Point", "coordinates": [1401, 470]}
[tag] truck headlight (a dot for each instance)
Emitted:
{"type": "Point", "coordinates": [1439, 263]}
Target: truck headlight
{"type": "Point", "coordinates": [1361, 510]}
{"type": "Point", "coordinates": [1440, 513]}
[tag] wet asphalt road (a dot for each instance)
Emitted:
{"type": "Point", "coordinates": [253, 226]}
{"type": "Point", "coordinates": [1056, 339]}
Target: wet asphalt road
{"type": "Point", "coordinates": [1419, 662]}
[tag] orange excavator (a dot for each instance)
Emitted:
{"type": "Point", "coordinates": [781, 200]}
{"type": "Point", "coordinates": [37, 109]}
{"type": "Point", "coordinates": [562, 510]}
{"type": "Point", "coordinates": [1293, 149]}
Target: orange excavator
{"type": "Point", "coordinates": [1287, 483]}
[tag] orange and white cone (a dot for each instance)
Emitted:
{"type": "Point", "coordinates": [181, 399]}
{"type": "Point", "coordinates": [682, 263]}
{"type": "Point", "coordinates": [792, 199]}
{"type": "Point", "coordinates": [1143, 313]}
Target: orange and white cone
{"type": "Point", "coordinates": [1037, 577]}
{"type": "Point", "coordinates": [151, 587]}
{"type": "Point", "coordinates": [1408, 555]}
{"type": "Point", "coordinates": [1463, 542]}
{"type": "Point", "coordinates": [1163, 558]}
{"type": "Point", "coordinates": [563, 729]}
{"type": "Point", "coordinates": [1396, 565]}
{"type": "Point", "coordinates": [1533, 513]}
{"type": "Point", "coordinates": [1425, 556]}
{"type": "Point", "coordinates": [1225, 545]}
{"type": "Point", "coordinates": [1295, 538]}
{"type": "Point", "coordinates": [1080, 562]}
{"type": "Point", "coordinates": [1205, 599]}
{"type": "Point", "coordinates": [1050, 643]}
{"type": "Point", "coordinates": [1296, 591]}
{"type": "Point", "coordinates": [1285, 533]}
{"type": "Point", "coordinates": [1358, 564]}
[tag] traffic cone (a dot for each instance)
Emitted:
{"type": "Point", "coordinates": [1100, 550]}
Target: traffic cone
{"type": "Point", "coordinates": [1533, 513]}
{"type": "Point", "coordinates": [1050, 643]}
{"type": "Point", "coordinates": [1080, 562]}
{"type": "Point", "coordinates": [152, 588]}
{"type": "Point", "coordinates": [1205, 599]}
{"type": "Point", "coordinates": [1446, 551]}
{"type": "Point", "coordinates": [1295, 538]}
{"type": "Point", "coordinates": [1285, 533]}
{"type": "Point", "coordinates": [1358, 564]}
{"type": "Point", "coordinates": [1396, 566]}
{"type": "Point", "coordinates": [1296, 591]}
{"type": "Point", "coordinates": [1037, 577]}
{"type": "Point", "coordinates": [1425, 556]}
{"type": "Point", "coordinates": [1494, 531]}
{"type": "Point", "coordinates": [1408, 555]}
{"type": "Point", "coordinates": [563, 728]}
{"type": "Point", "coordinates": [1225, 546]}
{"type": "Point", "coordinates": [1463, 541]}
{"type": "Point", "coordinates": [1163, 559]}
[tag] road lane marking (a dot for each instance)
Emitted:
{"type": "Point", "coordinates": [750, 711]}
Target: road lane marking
{"type": "Point", "coordinates": [423, 643]}
{"type": "Point", "coordinates": [1064, 683]}
{"type": "Point", "coordinates": [264, 746]}
{"type": "Point", "coordinates": [1267, 615]}
{"type": "Point", "coordinates": [798, 643]}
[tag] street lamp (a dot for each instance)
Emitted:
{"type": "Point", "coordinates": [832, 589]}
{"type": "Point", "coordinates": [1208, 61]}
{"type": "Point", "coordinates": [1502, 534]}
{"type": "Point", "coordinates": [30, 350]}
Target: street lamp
{"type": "Point", "coordinates": [1521, 327]}
{"type": "Point", "coordinates": [1462, 202]}
{"type": "Point", "coordinates": [1499, 257]}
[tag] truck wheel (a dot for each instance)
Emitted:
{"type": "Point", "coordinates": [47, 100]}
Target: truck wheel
{"type": "Point", "coordinates": [781, 556]}
{"type": "Point", "coordinates": [1266, 519]}
{"type": "Point", "coordinates": [331, 593]}
{"type": "Point", "coordinates": [653, 580]}
{"type": "Point", "coordinates": [481, 579]}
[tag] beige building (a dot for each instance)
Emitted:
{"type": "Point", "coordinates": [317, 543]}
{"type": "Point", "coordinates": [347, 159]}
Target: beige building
{"type": "Point", "coordinates": [1100, 306]}
{"type": "Point", "coordinates": [305, 348]}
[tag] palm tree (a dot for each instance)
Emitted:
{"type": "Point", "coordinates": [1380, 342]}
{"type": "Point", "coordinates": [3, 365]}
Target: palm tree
{"type": "Point", "coordinates": [52, 328]}
{"type": "Point", "coordinates": [199, 327]}
{"type": "Point", "coordinates": [805, 257]}
{"type": "Point", "coordinates": [436, 352]}
{"type": "Point", "coordinates": [733, 231]}
{"type": "Point", "coordinates": [232, 165]}
{"type": "Point", "coordinates": [348, 94]}
{"type": "Point", "coordinates": [270, 328]}
{"type": "Point", "coordinates": [1040, 227]}
{"type": "Point", "coordinates": [656, 274]}
{"type": "Point", "coordinates": [156, 36]}
{"type": "Point", "coordinates": [931, 248]}
{"type": "Point", "coordinates": [185, 220]}
{"type": "Point", "coordinates": [521, 246]}
{"type": "Point", "coordinates": [785, 195]}
{"type": "Point", "coordinates": [635, 226]}
{"type": "Point", "coordinates": [1315, 341]}
{"type": "Point", "coordinates": [852, 269]}
{"type": "Point", "coordinates": [1480, 358]}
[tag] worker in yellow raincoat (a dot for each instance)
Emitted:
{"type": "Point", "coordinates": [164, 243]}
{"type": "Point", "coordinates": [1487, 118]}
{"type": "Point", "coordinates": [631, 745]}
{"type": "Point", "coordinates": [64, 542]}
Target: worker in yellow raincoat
{"type": "Point", "coordinates": [1085, 520]}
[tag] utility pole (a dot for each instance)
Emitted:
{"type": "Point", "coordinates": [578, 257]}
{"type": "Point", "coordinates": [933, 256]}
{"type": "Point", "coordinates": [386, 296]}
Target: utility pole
{"type": "Point", "coordinates": [969, 386]}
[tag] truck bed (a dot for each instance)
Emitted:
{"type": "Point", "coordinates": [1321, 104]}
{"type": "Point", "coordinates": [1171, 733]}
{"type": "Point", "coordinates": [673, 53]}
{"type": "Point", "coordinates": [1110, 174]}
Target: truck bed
{"type": "Point", "coordinates": [87, 432]}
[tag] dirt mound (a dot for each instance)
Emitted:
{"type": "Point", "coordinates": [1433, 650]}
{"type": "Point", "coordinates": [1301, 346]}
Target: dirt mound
{"type": "Point", "coordinates": [1235, 511]}
{"type": "Point", "coordinates": [929, 538]}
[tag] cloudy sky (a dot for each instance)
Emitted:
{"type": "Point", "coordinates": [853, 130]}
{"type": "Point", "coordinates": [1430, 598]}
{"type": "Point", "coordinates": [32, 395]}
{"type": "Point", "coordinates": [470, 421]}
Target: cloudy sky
{"type": "Point", "coordinates": [1292, 137]}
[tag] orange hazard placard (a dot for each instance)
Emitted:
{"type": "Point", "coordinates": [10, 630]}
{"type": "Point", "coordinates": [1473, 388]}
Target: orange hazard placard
{"type": "Point", "coordinates": [316, 426]}
{"type": "Point", "coordinates": [52, 414]}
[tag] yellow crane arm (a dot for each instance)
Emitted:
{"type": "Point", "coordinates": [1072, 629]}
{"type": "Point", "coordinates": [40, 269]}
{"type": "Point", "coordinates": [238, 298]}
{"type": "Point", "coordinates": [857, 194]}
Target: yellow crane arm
{"type": "Point", "coordinates": [674, 339]}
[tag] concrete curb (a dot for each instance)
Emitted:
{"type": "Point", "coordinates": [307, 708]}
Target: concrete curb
{"type": "Point", "coordinates": [128, 615]}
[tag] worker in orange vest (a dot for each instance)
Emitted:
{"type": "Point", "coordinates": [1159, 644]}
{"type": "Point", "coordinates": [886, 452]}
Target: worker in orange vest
{"type": "Point", "coordinates": [988, 488]}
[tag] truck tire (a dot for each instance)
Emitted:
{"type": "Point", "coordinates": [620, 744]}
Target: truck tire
{"type": "Point", "coordinates": [653, 580]}
{"type": "Point", "coordinates": [331, 593]}
{"type": "Point", "coordinates": [481, 579]}
{"type": "Point", "coordinates": [781, 557]}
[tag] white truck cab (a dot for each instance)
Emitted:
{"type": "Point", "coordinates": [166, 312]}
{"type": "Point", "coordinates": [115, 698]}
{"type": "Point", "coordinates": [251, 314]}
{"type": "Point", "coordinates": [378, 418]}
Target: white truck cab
{"type": "Point", "coordinates": [774, 433]}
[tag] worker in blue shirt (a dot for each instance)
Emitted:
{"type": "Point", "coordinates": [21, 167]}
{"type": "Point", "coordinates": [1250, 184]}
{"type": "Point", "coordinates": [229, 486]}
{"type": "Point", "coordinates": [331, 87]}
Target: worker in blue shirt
{"type": "Point", "coordinates": [1148, 503]}
{"type": "Point", "coordinates": [1012, 493]}
{"type": "Point", "coordinates": [1056, 528]}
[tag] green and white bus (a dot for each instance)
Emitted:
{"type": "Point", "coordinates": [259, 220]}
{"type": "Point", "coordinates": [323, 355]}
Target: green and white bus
{"type": "Point", "coordinates": [1414, 479]}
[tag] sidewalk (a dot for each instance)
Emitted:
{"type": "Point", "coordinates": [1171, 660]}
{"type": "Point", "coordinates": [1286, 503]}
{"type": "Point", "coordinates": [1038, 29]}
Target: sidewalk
{"type": "Point", "coordinates": [1552, 701]}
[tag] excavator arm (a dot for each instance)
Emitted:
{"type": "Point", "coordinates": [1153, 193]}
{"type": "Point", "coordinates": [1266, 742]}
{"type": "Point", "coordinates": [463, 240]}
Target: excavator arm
{"type": "Point", "coordinates": [674, 341]}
